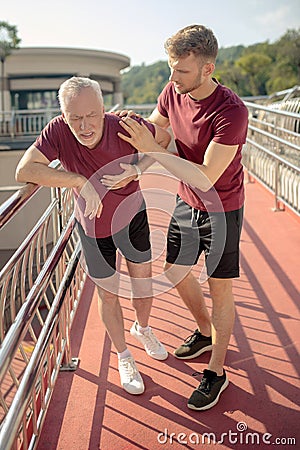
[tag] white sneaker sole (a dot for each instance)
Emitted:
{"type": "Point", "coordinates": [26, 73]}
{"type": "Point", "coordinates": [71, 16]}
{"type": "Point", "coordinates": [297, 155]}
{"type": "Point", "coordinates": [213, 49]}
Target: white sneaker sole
{"type": "Point", "coordinates": [208, 348]}
{"type": "Point", "coordinates": [131, 390]}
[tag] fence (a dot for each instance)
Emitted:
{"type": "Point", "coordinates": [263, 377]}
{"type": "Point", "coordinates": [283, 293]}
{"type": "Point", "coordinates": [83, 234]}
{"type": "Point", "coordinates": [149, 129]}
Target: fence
{"type": "Point", "coordinates": [40, 289]}
{"type": "Point", "coordinates": [25, 122]}
{"type": "Point", "coordinates": [272, 151]}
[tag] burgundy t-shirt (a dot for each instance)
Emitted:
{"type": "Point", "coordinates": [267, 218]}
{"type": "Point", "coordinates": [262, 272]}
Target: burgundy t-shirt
{"type": "Point", "coordinates": [221, 117]}
{"type": "Point", "coordinates": [56, 141]}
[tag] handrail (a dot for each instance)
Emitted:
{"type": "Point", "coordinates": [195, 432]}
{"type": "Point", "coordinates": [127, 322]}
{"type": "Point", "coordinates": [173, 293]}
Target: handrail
{"type": "Point", "coordinates": [19, 328]}
{"type": "Point", "coordinates": [275, 139]}
{"type": "Point", "coordinates": [17, 256]}
{"type": "Point", "coordinates": [276, 157]}
{"type": "Point", "coordinates": [12, 422]}
{"type": "Point", "coordinates": [19, 199]}
{"type": "Point", "coordinates": [272, 151]}
{"type": "Point", "coordinates": [14, 203]}
{"type": "Point", "coordinates": [279, 112]}
{"type": "Point", "coordinates": [29, 284]}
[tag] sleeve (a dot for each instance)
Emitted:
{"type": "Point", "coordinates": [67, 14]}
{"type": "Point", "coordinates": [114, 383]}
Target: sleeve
{"type": "Point", "coordinates": [230, 127]}
{"type": "Point", "coordinates": [163, 101]}
{"type": "Point", "coordinates": [48, 141]}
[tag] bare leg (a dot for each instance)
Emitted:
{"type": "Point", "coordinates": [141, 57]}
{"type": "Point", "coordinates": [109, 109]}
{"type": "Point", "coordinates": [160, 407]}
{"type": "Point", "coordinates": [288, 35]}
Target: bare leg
{"type": "Point", "coordinates": [190, 291]}
{"type": "Point", "coordinates": [223, 314]}
{"type": "Point", "coordinates": [110, 312]}
{"type": "Point", "coordinates": [141, 281]}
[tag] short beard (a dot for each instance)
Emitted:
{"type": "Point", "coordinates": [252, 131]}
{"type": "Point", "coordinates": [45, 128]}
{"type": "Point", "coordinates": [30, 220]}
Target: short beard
{"type": "Point", "coordinates": [188, 90]}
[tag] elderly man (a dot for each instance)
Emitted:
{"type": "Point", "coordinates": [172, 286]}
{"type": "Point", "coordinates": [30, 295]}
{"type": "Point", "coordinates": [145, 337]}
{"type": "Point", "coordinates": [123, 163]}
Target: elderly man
{"type": "Point", "coordinates": [84, 138]}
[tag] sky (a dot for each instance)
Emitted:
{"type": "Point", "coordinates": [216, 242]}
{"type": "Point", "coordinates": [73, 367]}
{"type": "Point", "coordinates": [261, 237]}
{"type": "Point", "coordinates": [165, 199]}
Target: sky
{"type": "Point", "coordinates": [138, 29]}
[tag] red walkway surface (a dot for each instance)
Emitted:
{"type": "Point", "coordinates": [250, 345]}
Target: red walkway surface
{"type": "Point", "coordinates": [89, 410]}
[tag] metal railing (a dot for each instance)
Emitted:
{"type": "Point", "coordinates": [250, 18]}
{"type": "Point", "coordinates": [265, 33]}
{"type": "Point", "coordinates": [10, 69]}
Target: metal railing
{"type": "Point", "coordinates": [272, 152]}
{"type": "Point", "coordinates": [20, 123]}
{"type": "Point", "coordinates": [40, 288]}
{"type": "Point", "coordinates": [26, 122]}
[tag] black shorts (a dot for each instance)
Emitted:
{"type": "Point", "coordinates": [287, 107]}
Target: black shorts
{"type": "Point", "coordinates": [133, 242]}
{"type": "Point", "coordinates": [192, 232]}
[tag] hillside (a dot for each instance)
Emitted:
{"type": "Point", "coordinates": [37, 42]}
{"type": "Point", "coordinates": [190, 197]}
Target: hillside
{"type": "Point", "coordinates": [259, 69]}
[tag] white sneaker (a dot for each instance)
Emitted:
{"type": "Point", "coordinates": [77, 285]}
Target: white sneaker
{"type": "Point", "coordinates": [130, 377]}
{"type": "Point", "coordinates": [152, 345]}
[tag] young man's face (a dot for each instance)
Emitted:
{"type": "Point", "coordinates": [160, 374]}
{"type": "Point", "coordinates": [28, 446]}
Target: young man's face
{"type": "Point", "coordinates": [188, 73]}
{"type": "Point", "coordinates": [84, 114]}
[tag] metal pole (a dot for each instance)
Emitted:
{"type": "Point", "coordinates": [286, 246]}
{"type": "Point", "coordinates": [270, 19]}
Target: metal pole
{"type": "Point", "coordinates": [2, 91]}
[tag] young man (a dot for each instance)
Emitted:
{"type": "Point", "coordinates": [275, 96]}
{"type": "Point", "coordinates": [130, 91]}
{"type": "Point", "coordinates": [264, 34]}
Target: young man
{"type": "Point", "coordinates": [209, 123]}
{"type": "Point", "coordinates": [84, 139]}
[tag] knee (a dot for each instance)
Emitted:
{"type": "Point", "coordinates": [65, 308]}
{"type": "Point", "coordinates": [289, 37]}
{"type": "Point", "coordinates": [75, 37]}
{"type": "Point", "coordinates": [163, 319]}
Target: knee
{"type": "Point", "coordinates": [141, 288]}
{"type": "Point", "coordinates": [106, 297]}
{"type": "Point", "coordinates": [175, 273]}
{"type": "Point", "coordinates": [220, 289]}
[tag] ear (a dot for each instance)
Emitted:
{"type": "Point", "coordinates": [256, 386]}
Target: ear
{"type": "Point", "coordinates": [64, 118]}
{"type": "Point", "coordinates": [208, 69]}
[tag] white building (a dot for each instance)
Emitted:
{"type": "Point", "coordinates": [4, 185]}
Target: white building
{"type": "Point", "coordinates": [33, 75]}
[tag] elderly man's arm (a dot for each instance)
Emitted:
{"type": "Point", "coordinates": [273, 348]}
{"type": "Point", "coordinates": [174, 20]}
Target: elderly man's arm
{"type": "Point", "coordinates": [34, 168]}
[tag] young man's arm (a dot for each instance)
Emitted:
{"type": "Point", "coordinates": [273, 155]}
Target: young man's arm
{"type": "Point", "coordinates": [33, 168]}
{"type": "Point", "coordinates": [158, 119]}
{"type": "Point", "coordinates": [133, 172]}
{"type": "Point", "coordinates": [202, 176]}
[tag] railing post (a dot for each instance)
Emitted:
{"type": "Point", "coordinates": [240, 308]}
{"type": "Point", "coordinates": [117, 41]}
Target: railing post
{"type": "Point", "coordinates": [12, 124]}
{"type": "Point", "coordinates": [277, 188]}
{"type": "Point", "coordinates": [69, 363]}
{"type": "Point", "coordinates": [55, 220]}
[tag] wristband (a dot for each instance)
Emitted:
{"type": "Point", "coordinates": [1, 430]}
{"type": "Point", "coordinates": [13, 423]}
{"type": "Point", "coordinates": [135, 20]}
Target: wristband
{"type": "Point", "coordinates": [138, 171]}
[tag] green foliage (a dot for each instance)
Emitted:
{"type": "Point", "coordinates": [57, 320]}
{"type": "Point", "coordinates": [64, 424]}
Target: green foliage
{"type": "Point", "coordinates": [229, 54]}
{"type": "Point", "coordinates": [142, 84]}
{"type": "Point", "coordinates": [259, 69]}
{"type": "Point", "coordinates": [8, 39]}
{"type": "Point", "coordinates": [256, 68]}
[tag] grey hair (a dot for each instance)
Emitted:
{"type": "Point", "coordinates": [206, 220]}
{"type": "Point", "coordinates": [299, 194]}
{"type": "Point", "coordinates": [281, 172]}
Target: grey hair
{"type": "Point", "coordinates": [196, 39]}
{"type": "Point", "coordinates": [73, 86]}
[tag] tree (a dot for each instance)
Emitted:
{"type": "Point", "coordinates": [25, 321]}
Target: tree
{"type": "Point", "coordinates": [288, 62]}
{"type": "Point", "coordinates": [256, 67]}
{"type": "Point", "coordinates": [8, 41]}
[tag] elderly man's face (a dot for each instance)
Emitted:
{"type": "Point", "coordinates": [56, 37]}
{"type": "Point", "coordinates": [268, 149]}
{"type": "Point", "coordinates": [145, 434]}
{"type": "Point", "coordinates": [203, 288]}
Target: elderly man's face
{"type": "Point", "coordinates": [84, 113]}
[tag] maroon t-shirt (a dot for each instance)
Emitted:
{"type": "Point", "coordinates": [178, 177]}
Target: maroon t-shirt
{"type": "Point", "coordinates": [56, 141]}
{"type": "Point", "coordinates": [221, 117]}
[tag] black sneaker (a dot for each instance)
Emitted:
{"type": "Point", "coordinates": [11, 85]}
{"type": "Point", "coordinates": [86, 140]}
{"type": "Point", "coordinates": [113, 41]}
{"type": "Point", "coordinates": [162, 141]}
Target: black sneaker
{"type": "Point", "coordinates": [193, 346]}
{"type": "Point", "coordinates": [208, 392]}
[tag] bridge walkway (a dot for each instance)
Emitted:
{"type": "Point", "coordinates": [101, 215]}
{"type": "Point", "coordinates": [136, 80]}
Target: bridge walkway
{"type": "Point", "coordinates": [89, 410]}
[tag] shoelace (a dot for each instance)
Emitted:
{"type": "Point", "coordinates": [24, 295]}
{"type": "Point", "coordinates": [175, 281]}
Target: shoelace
{"type": "Point", "coordinates": [151, 340]}
{"type": "Point", "coordinates": [192, 338]}
{"type": "Point", "coordinates": [129, 368]}
{"type": "Point", "coordinates": [205, 384]}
